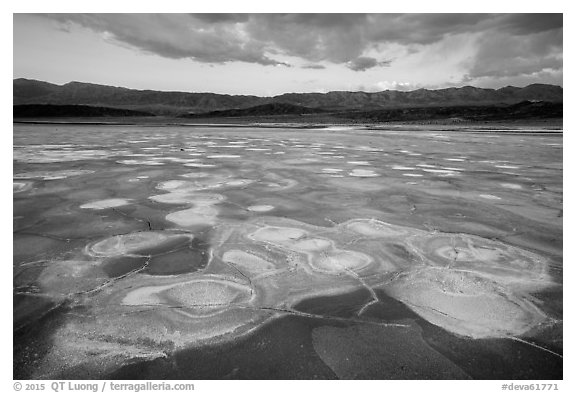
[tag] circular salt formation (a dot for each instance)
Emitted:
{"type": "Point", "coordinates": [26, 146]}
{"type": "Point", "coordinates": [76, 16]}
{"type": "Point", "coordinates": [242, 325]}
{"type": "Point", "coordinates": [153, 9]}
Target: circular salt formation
{"type": "Point", "coordinates": [51, 175]}
{"type": "Point", "coordinates": [301, 161]}
{"type": "Point", "coordinates": [188, 186]}
{"type": "Point", "coordinates": [511, 186]}
{"type": "Point", "coordinates": [279, 183]}
{"type": "Point", "coordinates": [247, 261]}
{"type": "Point", "coordinates": [313, 244]}
{"type": "Point", "coordinates": [363, 173]}
{"type": "Point", "coordinates": [199, 165]}
{"type": "Point", "coordinates": [207, 199]}
{"type": "Point", "coordinates": [441, 172]}
{"type": "Point", "coordinates": [488, 196]}
{"type": "Point", "coordinates": [455, 249]}
{"type": "Point", "coordinates": [172, 185]}
{"type": "Point", "coordinates": [201, 297]}
{"type": "Point", "coordinates": [464, 303]}
{"type": "Point", "coordinates": [505, 264]}
{"type": "Point", "coordinates": [375, 228]}
{"type": "Point", "coordinates": [138, 242]}
{"type": "Point", "coordinates": [172, 198]}
{"type": "Point", "coordinates": [20, 186]}
{"type": "Point", "coordinates": [71, 277]}
{"type": "Point", "coordinates": [260, 208]}
{"type": "Point", "coordinates": [38, 155]}
{"type": "Point", "coordinates": [183, 192]}
{"type": "Point", "coordinates": [140, 162]}
{"type": "Point", "coordinates": [105, 204]}
{"type": "Point", "coordinates": [339, 261]}
{"type": "Point", "coordinates": [277, 234]}
{"type": "Point", "coordinates": [203, 214]}
{"type": "Point", "coordinates": [195, 175]}
{"type": "Point", "coordinates": [238, 182]}
{"type": "Point", "coordinates": [187, 197]}
{"type": "Point", "coordinates": [403, 168]}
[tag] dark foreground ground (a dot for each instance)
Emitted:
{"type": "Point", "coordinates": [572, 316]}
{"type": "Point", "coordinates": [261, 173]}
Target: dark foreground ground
{"type": "Point", "coordinates": [274, 253]}
{"type": "Point", "coordinates": [307, 121]}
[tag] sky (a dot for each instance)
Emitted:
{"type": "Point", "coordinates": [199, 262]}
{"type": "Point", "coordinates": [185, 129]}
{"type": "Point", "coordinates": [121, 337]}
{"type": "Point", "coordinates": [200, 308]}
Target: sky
{"type": "Point", "coordinates": [271, 54]}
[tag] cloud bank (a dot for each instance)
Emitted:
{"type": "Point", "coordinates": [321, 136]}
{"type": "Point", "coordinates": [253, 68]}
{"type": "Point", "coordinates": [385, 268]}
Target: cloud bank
{"type": "Point", "coordinates": [505, 45]}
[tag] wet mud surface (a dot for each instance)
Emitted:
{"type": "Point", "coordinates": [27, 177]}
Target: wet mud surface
{"type": "Point", "coordinates": [204, 253]}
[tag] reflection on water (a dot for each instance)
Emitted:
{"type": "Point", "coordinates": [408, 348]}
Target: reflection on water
{"type": "Point", "coordinates": [133, 244]}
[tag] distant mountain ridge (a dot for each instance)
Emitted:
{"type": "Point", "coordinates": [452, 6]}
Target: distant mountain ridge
{"type": "Point", "coordinates": [27, 91]}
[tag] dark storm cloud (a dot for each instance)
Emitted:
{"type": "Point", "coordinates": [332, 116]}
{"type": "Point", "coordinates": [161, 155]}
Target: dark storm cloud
{"type": "Point", "coordinates": [363, 63]}
{"type": "Point", "coordinates": [222, 18]}
{"type": "Point", "coordinates": [175, 36]}
{"type": "Point", "coordinates": [421, 28]}
{"type": "Point", "coordinates": [507, 43]}
{"type": "Point", "coordinates": [501, 55]}
{"type": "Point", "coordinates": [531, 23]}
{"type": "Point", "coordinates": [331, 37]}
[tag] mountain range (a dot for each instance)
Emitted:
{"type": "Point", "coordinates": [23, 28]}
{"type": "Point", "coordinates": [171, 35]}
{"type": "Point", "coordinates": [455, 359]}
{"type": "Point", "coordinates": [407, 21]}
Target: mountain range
{"type": "Point", "coordinates": [27, 91]}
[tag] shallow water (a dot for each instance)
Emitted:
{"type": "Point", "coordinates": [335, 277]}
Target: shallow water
{"type": "Point", "coordinates": [135, 246]}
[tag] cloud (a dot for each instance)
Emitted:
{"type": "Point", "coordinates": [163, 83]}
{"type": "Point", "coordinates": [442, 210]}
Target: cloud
{"type": "Point", "coordinates": [522, 24]}
{"type": "Point", "coordinates": [335, 38]}
{"type": "Point", "coordinates": [206, 39]}
{"type": "Point", "coordinates": [364, 63]}
{"type": "Point", "coordinates": [313, 66]}
{"type": "Point", "coordinates": [393, 85]}
{"type": "Point", "coordinates": [221, 18]}
{"type": "Point", "coordinates": [429, 28]}
{"type": "Point", "coordinates": [501, 55]}
{"type": "Point", "coordinates": [421, 29]}
{"type": "Point", "coordinates": [505, 45]}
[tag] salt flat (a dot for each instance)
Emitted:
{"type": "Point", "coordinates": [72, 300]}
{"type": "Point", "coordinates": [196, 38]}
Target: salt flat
{"type": "Point", "coordinates": [240, 240]}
